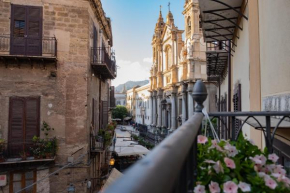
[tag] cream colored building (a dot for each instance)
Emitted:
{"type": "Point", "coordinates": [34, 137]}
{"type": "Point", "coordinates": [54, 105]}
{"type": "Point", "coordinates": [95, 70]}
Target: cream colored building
{"type": "Point", "coordinates": [177, 64]}
{"type": "Point", "coordinates": [254, 75]}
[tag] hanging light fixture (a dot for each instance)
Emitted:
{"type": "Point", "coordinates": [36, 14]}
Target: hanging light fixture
{"type": "Point", "coordinates": [112, 161]}
{"type": "Point", "coordinates": [71, 188]}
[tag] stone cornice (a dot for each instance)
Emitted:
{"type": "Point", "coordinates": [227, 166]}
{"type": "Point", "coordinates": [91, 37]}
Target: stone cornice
{"type": "Point", "coordinates": [105, 22]}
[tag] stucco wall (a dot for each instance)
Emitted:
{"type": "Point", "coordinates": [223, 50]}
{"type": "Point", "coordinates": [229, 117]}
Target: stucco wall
{"type": "Point", "coordinates": [274, 23]}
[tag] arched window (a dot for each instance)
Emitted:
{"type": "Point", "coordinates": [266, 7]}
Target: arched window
{"type": "Point", "coordinates": [188, 24]}
{"type": "Point", "coordinates": [168, 57]}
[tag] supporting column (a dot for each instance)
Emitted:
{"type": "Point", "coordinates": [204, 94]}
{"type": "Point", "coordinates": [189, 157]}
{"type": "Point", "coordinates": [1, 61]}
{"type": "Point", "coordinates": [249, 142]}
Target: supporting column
{"type": "Point", "coordinates": [154, 108]}
{"type": "Point", "coordinates": [173, 109]}
{"type": "Point", "coordinates": [151, 108]}
{"type": "Point", "coordinates": [190, 105]}
{"type": "Point", "coordinates": [159, 108]}
{"type": "Point", "coordinates": [184, 103]}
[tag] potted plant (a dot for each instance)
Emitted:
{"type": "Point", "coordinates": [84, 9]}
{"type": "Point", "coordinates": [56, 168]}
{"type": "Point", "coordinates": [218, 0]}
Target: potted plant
{"type": "Point", "coordinates": [2, 150]}
{"type": "Point", "coordinates": [238, 166]}
{"type": "Point", "coordinates": [23, 155]}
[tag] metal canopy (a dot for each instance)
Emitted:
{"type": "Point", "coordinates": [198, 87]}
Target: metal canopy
{"type": "Point", "coordinates": [219, 20]}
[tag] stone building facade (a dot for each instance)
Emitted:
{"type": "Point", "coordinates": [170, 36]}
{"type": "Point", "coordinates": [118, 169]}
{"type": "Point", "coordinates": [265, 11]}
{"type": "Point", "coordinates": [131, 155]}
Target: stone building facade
{"type": "Point", "coordinates": [176, 67]}
{"type": "Point", "coordinates": [56, 67]}
{"type": "Point", "coordinates": [120, 97]}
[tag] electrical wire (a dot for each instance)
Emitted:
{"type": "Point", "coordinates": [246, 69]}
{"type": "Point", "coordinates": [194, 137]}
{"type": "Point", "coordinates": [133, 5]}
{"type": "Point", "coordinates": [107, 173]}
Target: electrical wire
{"type": "Point", "coordinates": [65, 166]}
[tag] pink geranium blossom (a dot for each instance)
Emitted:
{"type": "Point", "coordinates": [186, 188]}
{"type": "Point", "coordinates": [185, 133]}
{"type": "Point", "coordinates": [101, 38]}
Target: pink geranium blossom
{"type": "Point", "coordinates": [201, 139]}
{"type": "Point", "coordinates": [232, 150]}
{"type": "Point", "coordinates": [270, 182]}
{"type": "Point", "coordinates": [218, 167]}
{"type": "Point", "coordinates": [230, 187]}
{"type": "Point", "coordinates": [259, 159]}
{"type": "Point", "coordinates": [273, 157]}
{"type": "Point", "coordinates": [214, 187]}
{"type": "Point", "coordinates": [245, 187]}
{"type": "Point", "coordinates": [199, 189]}
{"type": "Point", "coordinates": [230, 163]}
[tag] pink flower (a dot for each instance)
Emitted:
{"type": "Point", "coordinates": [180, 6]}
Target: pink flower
{"type": "Point", "coordinates": [201, 139]}
{"type": "Point", "coordinates": [199, 189]}
{"type": "Point", "coordinates": [216, 146]}
{"type": "Point", "coordinates": [232, 150]}
{"type": "Point", "coordinates": [230, 187]}
{"type": "Point", "coordinates": [218, 167]}
{"type": "Point", "coordinates": [245, 187]}
{"type": "Point", "coordinates": [252, 141]}
{"type": "Point", "coordinates": [262, 174]}
{"type": "Point", "coordinates": [259, 159]}
{"type": "Point", "coordinates": [279, 170]}
{"type": "Point", "coordinates": [230, 163]}
{"type": "Point", "coordinates": [214, 187]}
{"type": "Point", "coordinates": [286, 181]}
{"type": "Point", "coordinates": [273, 157]}
{"type": "Point", "coordinates": [270, 182]}
{"type": "Point", "coordinates": [209, 161]}
{"type": "Point", "coordinates": [269, 168]}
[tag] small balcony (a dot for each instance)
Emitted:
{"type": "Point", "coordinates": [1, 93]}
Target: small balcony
{"type": "Point", "coordinates": [35, 151]}
{"type": "Point", "coordinates": [25, 49]}
{"type": "Point", "coordinates": [101, 141]}
{"type": "Point", "coordinates": [103, 64]}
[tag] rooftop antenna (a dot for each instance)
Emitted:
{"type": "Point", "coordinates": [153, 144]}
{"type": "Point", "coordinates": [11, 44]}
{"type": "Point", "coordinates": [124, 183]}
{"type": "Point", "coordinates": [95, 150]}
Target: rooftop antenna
{"type": "Point", "coordinates": [160, 7]}
{"type": "Point", "coordinates": [169, 6]}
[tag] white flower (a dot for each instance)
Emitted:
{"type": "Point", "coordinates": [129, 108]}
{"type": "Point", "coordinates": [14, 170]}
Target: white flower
{"type": "Point", "coordinates": [199, 189]}
{"type": "Point", "coordinates": [231, 150]}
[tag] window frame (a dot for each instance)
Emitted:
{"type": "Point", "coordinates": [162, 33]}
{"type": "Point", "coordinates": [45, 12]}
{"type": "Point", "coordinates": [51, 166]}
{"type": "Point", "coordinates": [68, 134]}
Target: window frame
{"type": "Point", "coordinates": [23, 180]}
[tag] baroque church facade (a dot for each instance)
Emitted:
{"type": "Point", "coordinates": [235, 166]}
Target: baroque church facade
{"type": "Point", "coordinates": [177, 65]}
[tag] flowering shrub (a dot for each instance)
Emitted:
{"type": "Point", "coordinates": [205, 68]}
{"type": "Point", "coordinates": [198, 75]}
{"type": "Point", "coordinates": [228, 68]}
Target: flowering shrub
{"type": "Point", "coordinates": [238, 166]}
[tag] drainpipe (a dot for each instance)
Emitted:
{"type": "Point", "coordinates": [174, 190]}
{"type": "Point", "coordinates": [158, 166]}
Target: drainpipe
{"type": "Point", "coordinates": [229, 85]}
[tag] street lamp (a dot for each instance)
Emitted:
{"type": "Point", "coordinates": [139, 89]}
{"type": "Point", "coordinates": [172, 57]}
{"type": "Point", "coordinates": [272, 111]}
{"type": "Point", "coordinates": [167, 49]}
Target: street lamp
{"type": "Point", "coordinates": [71, 188]}
{"type": "Point", "coordinates": [112, 162]}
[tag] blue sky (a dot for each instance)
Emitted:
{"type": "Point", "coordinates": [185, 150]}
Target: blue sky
{"type": "Point", "coordinates": [133, 23]}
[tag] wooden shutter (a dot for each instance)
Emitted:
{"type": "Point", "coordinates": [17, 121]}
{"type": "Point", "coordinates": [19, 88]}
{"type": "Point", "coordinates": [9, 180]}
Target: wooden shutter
{"type": "Point", "coordinates": [16, 125]}
{"type": "Point", "coordinates": [237, 102]}
{"type": "Point", "coordinates": [104, 113]}
{"type": "Point", "coordinates": [24, 115]}
{"type": "Point", "coordinates": [112, 97]}
{"type": "Point", "coordinates": [34, 31]}
{"type": "Point", "coordinates": [32, 118]}
{"type": "Point", "coordinates": [95, 38]}
{"type": "Point", "coordinates": [18, 30]}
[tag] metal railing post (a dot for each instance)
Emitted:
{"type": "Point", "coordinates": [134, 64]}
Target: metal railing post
{"type": "Point", "coordinates": [199, 95]}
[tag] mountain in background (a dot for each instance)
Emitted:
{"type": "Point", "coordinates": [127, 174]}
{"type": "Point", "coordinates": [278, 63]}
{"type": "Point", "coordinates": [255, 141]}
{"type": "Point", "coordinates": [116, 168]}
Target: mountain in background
{"type": "Point", "coordinates": [130, 84]}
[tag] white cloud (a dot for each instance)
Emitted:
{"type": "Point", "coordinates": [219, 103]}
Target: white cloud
{"type": "Point", "coordinates": [128, 70]}
{"type": "Point", "coordinates": [149, 60]}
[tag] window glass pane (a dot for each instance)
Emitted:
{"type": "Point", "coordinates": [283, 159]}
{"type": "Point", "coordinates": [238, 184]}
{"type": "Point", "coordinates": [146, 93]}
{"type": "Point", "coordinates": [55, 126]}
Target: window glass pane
{"type": "Point", "coordinates": [29, 175]}
{"type": "Point", "coordinates": [19, 28]}
{"type": "Point", "coordinates": [287, 166]}
{"type": "Point", "coordinates": [16, 186]}
{"type": "Point", "coordinates": [27, 183]}
{"type": "Point", "coordinates": [17, 177]}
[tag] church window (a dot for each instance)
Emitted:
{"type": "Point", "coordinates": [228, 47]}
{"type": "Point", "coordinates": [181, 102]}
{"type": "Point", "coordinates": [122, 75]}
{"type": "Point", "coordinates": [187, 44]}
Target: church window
{"type": "Point", "coordinates": [168, 57]}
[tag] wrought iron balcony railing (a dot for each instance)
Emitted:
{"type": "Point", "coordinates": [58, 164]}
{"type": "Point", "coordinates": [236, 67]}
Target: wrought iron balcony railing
{"type": "Point", "coordinates": [102, 63]}
{"type": "Point", "coordinates": [28, 47]}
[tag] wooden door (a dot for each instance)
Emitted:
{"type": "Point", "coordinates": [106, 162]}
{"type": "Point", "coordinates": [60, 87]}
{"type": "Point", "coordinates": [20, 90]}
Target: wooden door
{"type": "Point", "coordinates": [34, 31]}
{"type": "Point", "coordinates": [26, 30]}
{"type": "Point", "coordinates": [18, 30]}
{"type": "Point", "coordinates": [24, 116]}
